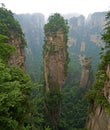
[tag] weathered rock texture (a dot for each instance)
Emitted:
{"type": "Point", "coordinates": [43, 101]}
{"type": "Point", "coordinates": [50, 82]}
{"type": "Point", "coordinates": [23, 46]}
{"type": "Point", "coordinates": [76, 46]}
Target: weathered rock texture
{"type": "Point", "coordinates": [86, 75]}
{"type": "Point", "coordinates": [99, 118]}
{"type": "Point", "coordinates": [19, 57]}
{"type": "Point", "coordinates": [55, 60]}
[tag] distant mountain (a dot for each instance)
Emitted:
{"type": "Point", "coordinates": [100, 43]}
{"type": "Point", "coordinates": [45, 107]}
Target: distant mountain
{"type": "Point", "coordinates": [32, 26]}
{"type": "Point", "coordinates": [84, 41]}
{"type": "Point", "coordinates": [70, 15]}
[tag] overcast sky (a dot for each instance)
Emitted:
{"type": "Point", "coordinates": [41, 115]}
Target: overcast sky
{"type": "Point", "coordinates": [47, 7]}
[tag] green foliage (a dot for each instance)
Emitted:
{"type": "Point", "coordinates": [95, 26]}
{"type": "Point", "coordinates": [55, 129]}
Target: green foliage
{"type": "Point", "coordinates": [74, 108]}
{"type": "Point", "coordinates": [5, 48]}
{"type": "Point", "coordinates": [53, 100]}
{"type": "Point", "coordinates": [21, 101]}
{"type": "Point", "coordinates": [17, 105]}
{"type": "Point", "coordinates": [14, 101]}
{"type": "Point", "coordinates": [9, 26]}
{"type": "Point", "coordinates": [56, 23]}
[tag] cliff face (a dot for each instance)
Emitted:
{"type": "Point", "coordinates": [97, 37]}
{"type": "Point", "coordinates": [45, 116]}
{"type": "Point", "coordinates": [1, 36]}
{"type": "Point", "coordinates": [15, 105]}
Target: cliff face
{"type": "Point", "coordinates": [86, 75]}
{"type": "Point", "coordinates": [19, 57]}
{"type": "Point", "coordinates": [55, 56]}
{"type": "Point", "coordinates": [99, 118]}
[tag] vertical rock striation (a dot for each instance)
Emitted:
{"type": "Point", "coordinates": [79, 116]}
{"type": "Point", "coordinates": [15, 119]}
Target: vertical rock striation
{"type": "Point", "coordinates": [86, 75]}
{"type": "Point", "coordinates": [19, 57]}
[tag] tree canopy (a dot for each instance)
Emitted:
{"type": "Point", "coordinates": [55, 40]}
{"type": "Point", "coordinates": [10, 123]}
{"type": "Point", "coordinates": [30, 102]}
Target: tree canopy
{"type": "Point", "coordinates": [56, 23]}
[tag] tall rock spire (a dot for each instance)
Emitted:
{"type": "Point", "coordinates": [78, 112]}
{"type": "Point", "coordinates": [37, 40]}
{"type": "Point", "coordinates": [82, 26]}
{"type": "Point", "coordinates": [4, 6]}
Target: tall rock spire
{"type": "Point", "coordinates": [55, 52]}
{"type": "Point", "coordinates": [55, 64]}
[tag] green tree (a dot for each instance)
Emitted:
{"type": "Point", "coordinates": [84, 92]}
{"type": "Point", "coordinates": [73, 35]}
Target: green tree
{"type": "Point", "coordinates": [15, 88]}
{"type": "Point", "coordinates": [21, 101]}
{"type": "Point", "coordinates": [74, 108]}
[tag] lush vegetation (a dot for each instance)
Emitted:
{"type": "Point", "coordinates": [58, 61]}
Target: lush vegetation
{"type": "Point", "coordinates": [23, 103]}
{"type": "Point", "coordinates": [74, 108]}
{"type": "Point", "coordinates": [56, 23]}
{"type": "Point", "coordinates": [19, 97]}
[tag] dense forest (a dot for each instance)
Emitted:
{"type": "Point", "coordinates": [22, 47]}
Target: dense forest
{"type": "Point", "coordinates": [32, 100]}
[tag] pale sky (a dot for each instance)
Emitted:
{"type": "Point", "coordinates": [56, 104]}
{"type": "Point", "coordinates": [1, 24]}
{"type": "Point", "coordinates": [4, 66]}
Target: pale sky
{"type": "Point", "coordinates": [48, 7]}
